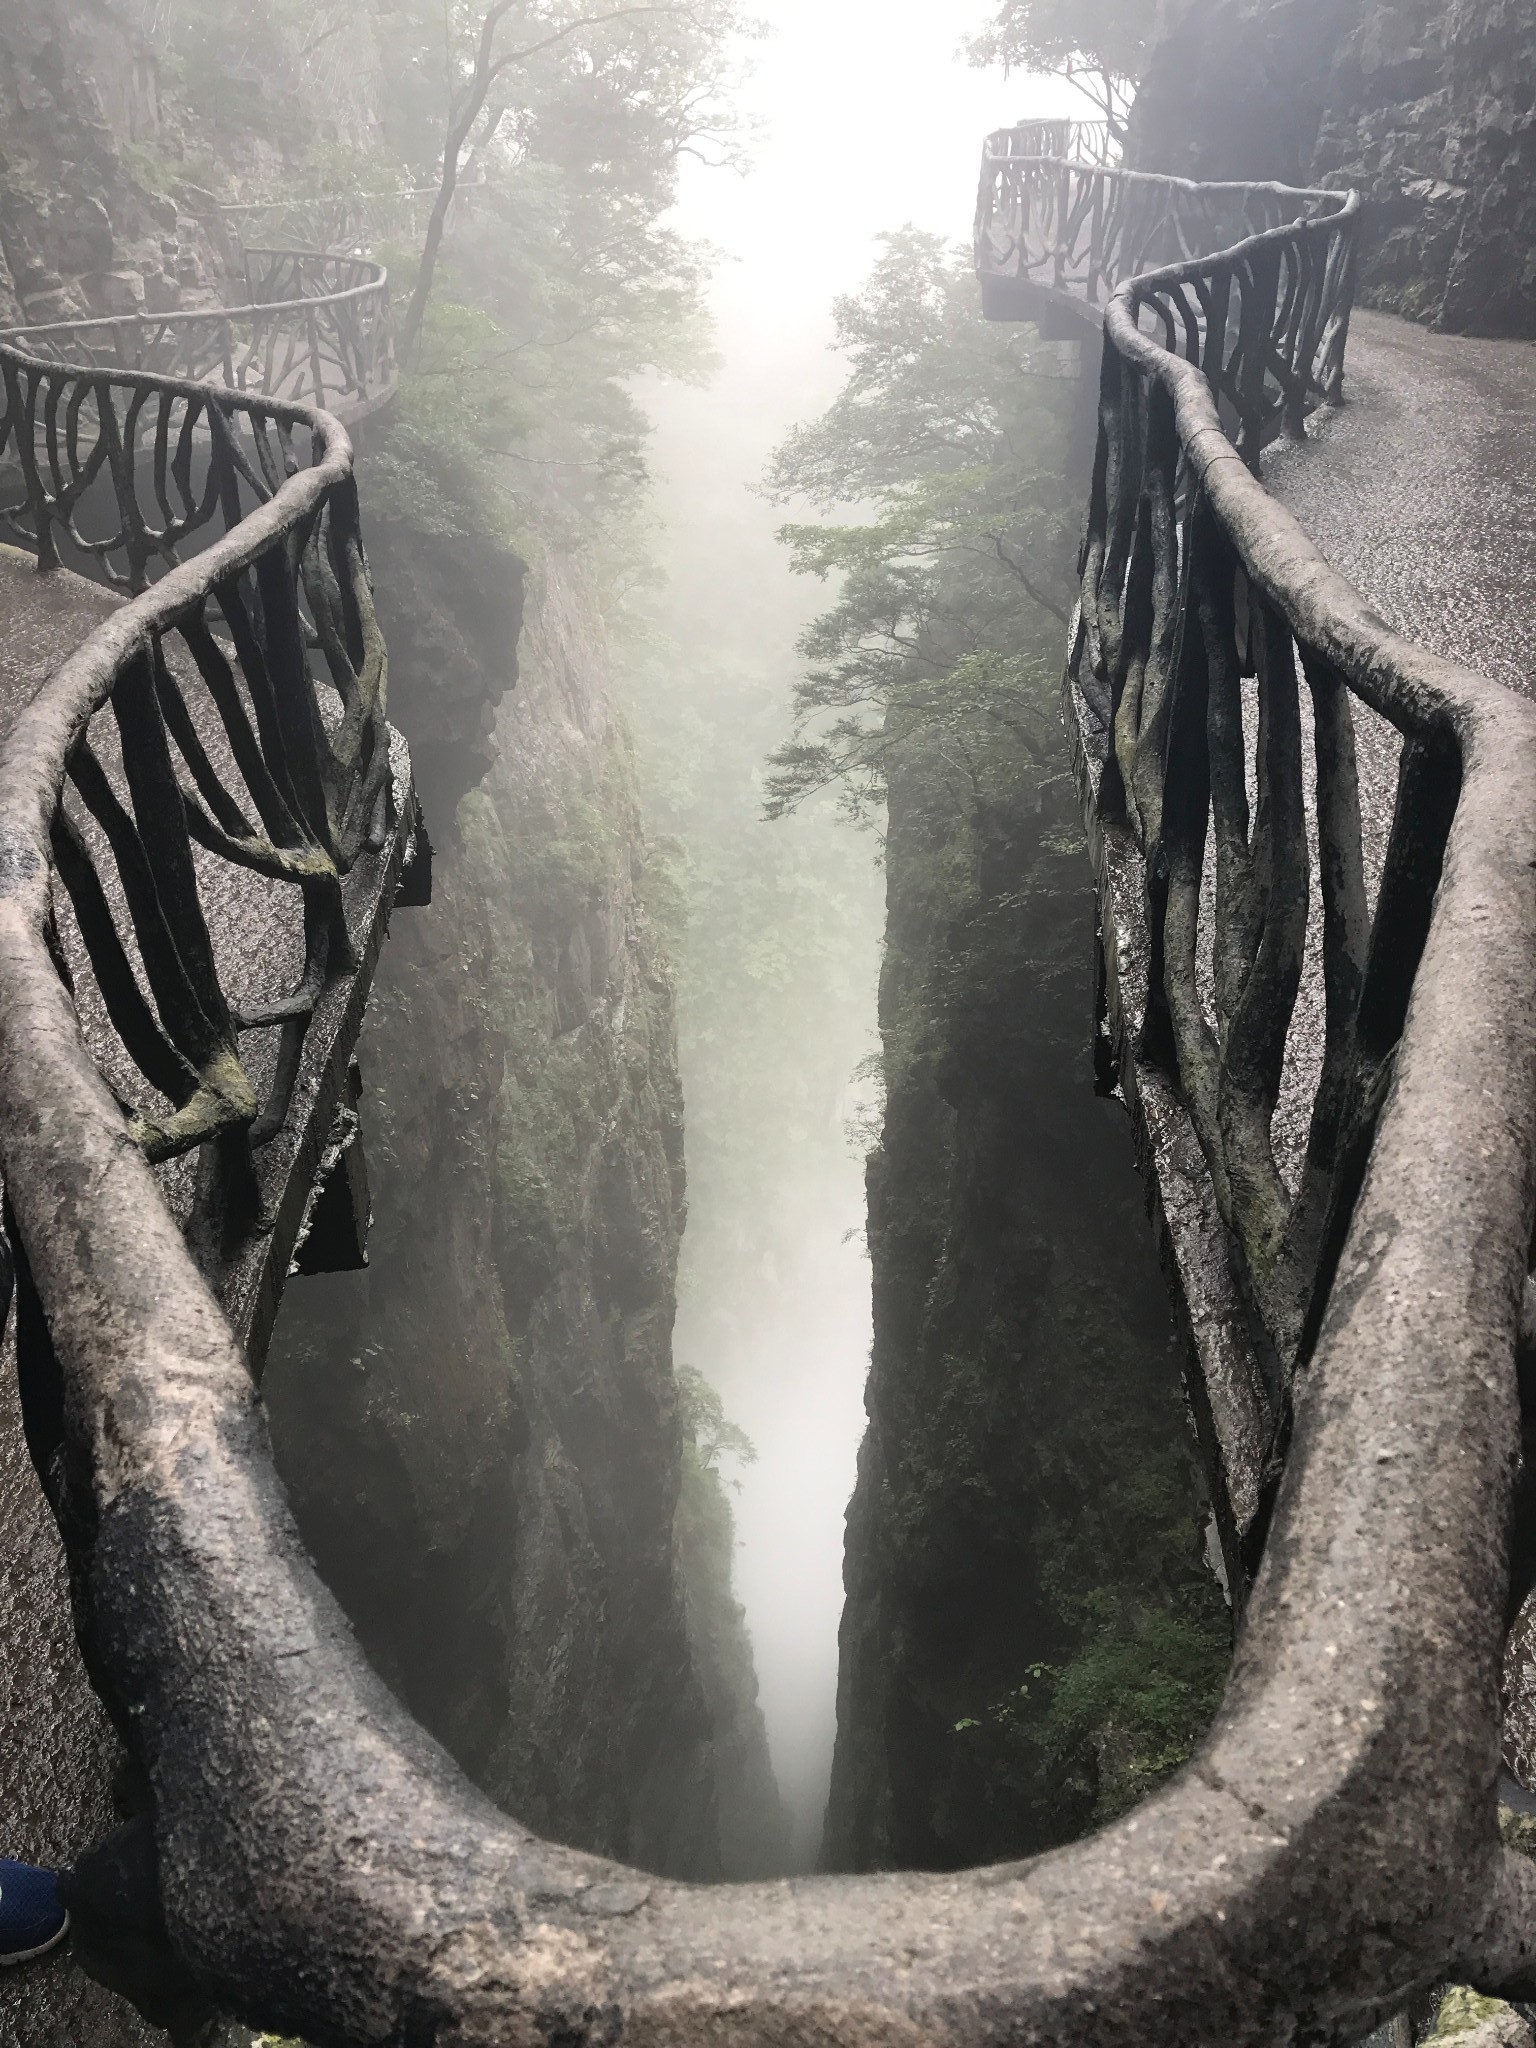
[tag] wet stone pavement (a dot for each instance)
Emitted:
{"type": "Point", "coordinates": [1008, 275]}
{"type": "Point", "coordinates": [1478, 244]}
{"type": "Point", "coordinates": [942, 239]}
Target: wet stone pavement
{"type": "Point", "coordinates": [1421, 489]}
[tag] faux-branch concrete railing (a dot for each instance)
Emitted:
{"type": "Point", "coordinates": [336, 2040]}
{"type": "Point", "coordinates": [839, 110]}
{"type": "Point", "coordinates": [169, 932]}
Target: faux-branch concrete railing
{"type": "Point", "coordinates": [224, 848]}
{"type": "Point", "coordinates": [1267, 325]}
{"type": "Point", "coordinates": [324, 1869]}
{"type": "Point", "coordinates": [1049, 228]}
{"type": "Point", "coordinates": [313, 329]}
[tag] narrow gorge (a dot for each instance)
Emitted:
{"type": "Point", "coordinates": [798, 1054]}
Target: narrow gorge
{"type": "Point", "coordinates": [867, 1211]}
{"type": "Point", "coordinates": [483, 1434]}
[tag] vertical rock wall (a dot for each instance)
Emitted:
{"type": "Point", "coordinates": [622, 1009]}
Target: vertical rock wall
{"type": "Point", "coordinates": [83, 231]}
{"type": "Point", "coordinates": [1427, 107]}
{"type": "Point", "coordinates": [1028, 1503]}
{"type": "Point", "coordinates": [481, 1434]}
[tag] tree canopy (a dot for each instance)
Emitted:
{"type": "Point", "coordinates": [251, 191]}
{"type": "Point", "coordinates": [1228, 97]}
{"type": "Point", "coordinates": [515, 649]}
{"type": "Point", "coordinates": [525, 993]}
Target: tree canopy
{"type": "Point", "coordinates": [556, 284]}
{"type": "Point", "coordinates": [1100, 45]}
{"type": "Point", "coordinates": [939, 442]}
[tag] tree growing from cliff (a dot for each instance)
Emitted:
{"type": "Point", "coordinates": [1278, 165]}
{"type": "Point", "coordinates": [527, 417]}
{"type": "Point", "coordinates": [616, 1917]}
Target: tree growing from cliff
{"type": "Point", "coordinates": [939, 439]}
{"type": "Point", "coordinates": [1099, 45]}
{"type": "Point", "coordinates": [484, 54]}
{"type": "Point", "coordinates": [533, 311]}
{"type": "Point", "coordinates": [535, 307]}
{"type": "Point", "coordinates": [706, 1426]}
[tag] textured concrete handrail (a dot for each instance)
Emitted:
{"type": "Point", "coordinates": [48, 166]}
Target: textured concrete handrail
{"type": "Point", "coordinates": [324, 1869]}
{"type": "Point", "coordinates": [357, 221]}
{"type": "Point", "coordinates": [314, 329]}
{"type": "Point", "coordinates": [246, 679]}
{"type": "Point", "coordinates": [1080, 142]}
{"type": "Point", "coordinates": [1053, 223]}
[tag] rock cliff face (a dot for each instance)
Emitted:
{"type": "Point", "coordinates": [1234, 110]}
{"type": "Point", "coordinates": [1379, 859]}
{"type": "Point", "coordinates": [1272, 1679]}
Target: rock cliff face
{"type": "Point", "coordinates": [1023, 1561]}
{"type": "Point", "coordinates": [481, 1434]}
{"type": "Point", "coordinates": [80, 231]}
{"type": "Point", "coordinates": [1432, 114]}
{"type": "Point", "coordinates": [1427, 106]}
{"type": "Point", "coordinates": [451, 611]}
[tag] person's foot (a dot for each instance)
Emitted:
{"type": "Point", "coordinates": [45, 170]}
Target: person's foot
{"type": "Point", "coordinates": [32, 1916]}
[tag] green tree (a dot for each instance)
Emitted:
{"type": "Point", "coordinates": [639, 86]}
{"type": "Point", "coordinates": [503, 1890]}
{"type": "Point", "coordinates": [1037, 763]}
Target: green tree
{"type": "Point", "coordinates": [560, 283]}
{"type": "Point", "coordinates": [947, 437]}
{"type": "Point", "coordinates": [706, 1426]}
{"type": "Point", "coordinates": [1099, 45]}
{"type": "Point", "coordinates": [487, 64]}
{"type": "Point", "coordinates": [532, 307]}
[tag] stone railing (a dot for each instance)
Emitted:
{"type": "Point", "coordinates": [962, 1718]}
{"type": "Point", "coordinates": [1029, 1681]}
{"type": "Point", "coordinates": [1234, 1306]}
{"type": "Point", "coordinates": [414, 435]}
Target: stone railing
{"type": "Point", "coordinates": [1315, 1022]}
{"type": "Point", "coordinates": [1078, 142]}
{"type": "Point", "coordinates": [358, 222]}
{"type": "Point", "coordinates": [312, 330]}
{"type": "Point", "coordinates": [307, 1857]}
{"type": "Point", "coordinates": [1050, 230]}
{"type": "Point", "coordinates": [204, 820]}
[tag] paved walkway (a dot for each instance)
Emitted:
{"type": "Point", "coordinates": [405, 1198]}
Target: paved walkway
{"type": "Point", "coordinates": [1421, 489]}
{"type": "Point", "coordinates": [42, 618]}
{"type": "Point", "coordinates": [1418, 490]}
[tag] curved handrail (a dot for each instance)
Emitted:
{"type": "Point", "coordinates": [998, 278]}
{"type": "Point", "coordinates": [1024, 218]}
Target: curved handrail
{"type": "Point", "coordinates": [247, 739]}
{"type": "Point", "coordinates": [1331, 1848]}
{"type": "Point", "coordinates": [1078, 231]}
{"type": "Point", "coordinates": [357, 221]}
{"type": "Point", "coordinates": [1078, 142]}
{"type": "Point", "coordinates": [314, 330]}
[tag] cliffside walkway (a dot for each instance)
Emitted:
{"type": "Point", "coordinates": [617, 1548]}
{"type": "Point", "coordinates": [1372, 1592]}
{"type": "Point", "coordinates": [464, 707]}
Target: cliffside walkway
{"type": "Point", "coordinates": [204, 823]}
{"type": "Point", "coordinates": [1331, 1047]}
{"type": "Point", "coordinates": [302, 326]}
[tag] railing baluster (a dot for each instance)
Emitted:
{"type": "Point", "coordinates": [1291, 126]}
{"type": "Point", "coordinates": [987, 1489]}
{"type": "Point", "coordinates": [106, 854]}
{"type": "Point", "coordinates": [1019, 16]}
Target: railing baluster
{"type": "Point", "coordinates": [1345, 942]}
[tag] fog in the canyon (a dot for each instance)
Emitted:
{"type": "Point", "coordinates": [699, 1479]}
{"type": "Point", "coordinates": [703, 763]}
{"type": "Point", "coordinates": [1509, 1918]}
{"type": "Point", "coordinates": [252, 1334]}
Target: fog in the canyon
{"type": "Point", "coordinates": [863, 117]}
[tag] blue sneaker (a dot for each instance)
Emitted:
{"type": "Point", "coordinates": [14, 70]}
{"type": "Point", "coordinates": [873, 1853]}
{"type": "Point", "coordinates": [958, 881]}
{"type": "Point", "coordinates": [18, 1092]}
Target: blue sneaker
{"type": "Point", "coordinates": [32, 1917]}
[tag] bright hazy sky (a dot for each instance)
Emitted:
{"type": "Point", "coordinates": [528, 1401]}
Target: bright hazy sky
{"type": "Point", "coordinates": [867, 119]}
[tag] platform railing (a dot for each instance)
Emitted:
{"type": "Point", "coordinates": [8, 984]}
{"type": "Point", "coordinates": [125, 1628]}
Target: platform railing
{"type": "Point", "coordinates": [1077, 231]}
{"type": "Point", "coordinates": [309, 329]}
{"type": "Point", "coordinates": [359, 222]}
{"type": "Point", "coordinates": [1078, 142]}
{"type": "Point", "coordinates": [310, 1860]}
{"type": "Point", "coordinates": [199, 805]}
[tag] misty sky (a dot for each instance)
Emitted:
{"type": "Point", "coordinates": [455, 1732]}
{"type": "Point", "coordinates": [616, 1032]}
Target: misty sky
{"type": "Point", "coordinates": [867, 119]}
